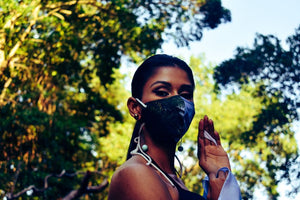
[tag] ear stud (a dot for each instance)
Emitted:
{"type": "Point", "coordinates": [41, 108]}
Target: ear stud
{"type": "Point", "coordinates": [136, 116]}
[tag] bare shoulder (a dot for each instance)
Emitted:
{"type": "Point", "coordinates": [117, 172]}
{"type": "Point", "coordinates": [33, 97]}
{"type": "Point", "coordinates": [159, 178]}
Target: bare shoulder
{"type": "Point", "coordinates": [135, 180]}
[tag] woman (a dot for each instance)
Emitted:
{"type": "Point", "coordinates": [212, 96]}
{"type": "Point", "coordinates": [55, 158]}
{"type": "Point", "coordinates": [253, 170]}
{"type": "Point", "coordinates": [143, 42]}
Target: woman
{"type": "Point", "coordinates": [162, 104]}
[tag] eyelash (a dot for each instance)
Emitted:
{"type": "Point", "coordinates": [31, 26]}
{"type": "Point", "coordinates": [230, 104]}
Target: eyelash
{"type": "Point", "coordinates": [161, 93]}
{"type": "Point", "coordinates": [186, 95]}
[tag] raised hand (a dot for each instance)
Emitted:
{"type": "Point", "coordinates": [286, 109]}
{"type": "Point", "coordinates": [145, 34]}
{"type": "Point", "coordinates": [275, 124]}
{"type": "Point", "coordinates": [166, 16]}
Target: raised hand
{"type": "Point", "coordinates": [211, 156]}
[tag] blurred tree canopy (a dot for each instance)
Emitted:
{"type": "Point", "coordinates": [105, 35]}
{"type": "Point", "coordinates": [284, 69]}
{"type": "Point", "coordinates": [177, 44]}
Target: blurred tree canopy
{"type": "Point", "coordinates": [57, 61]}
{"type": "Point", "coordinates": [276, 74]}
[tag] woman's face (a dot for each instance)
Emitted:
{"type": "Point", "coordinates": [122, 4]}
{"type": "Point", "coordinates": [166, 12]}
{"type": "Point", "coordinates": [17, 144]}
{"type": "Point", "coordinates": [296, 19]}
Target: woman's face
{"type": "Point", "coordinates": [166, 82]}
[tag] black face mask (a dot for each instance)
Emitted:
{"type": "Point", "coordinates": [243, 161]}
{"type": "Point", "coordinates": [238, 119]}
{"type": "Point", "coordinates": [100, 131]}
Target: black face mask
{"type": "Point", "coordinates": [167, 120]}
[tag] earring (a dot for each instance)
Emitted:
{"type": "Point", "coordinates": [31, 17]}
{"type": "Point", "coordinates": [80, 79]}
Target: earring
{"type": "Point", "coordinates": [145, 147]}
{"type": "Point", "coordinates": [180, 148]}
{"type": "Point", "coordinates": [136, 116]}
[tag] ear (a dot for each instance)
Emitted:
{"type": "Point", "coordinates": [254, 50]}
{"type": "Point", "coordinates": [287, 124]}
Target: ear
{"type": "Point", "coordinates": [134, 108]}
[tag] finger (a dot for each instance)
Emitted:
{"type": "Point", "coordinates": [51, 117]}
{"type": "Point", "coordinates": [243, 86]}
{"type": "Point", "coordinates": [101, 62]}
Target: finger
{"type": "Point", "coordinates": [201, 130]}
{"type": "Point", "coordinates": [201, 139]}
{"type": "Point", "coordinates": [211, 129]}
{"type": "Point", "coordinates": [206, 128]}
{"type": "Point", "coordinates": [205, 122]}
{"type": "Point", "coordinates": [217, 137]}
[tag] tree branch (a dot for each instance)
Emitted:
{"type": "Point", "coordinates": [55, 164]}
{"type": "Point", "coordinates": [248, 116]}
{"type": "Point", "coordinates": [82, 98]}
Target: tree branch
{"type": "Point", "coordinates": [7, 25]}
{"type": "Point", "coordinates": [83, 189]}
{"type": "Point", "coordinates": [2, 95]}
{"type": "Point", "coordinates": [26, 33]}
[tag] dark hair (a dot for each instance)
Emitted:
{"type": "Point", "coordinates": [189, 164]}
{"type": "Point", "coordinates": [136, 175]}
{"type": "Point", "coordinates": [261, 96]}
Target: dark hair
{"type": "Point", "coordinates": [144, 72]}
{"type": "Point", "coordinates": [148, 67]}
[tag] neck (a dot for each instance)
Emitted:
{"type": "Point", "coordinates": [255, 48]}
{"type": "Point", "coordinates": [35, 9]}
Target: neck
{"type": "Point", "coordinates": [163, 155]}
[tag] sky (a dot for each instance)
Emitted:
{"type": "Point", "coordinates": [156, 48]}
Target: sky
{"type": "Point", "coordinates": [276, 17]}
{"type": "Point", "coordinates": [249, 17]}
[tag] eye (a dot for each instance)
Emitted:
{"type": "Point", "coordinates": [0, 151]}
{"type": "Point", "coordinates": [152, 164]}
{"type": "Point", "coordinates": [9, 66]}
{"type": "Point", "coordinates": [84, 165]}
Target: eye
{"type": "Point", "coordinates": [187, 92]}
{"type": "Point", "coordinates": [161, 93]}
{"type": "Point", "coordinates": [187, 95]}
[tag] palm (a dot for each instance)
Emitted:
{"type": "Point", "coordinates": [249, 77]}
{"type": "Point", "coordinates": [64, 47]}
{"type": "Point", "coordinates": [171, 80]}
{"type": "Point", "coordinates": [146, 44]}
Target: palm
{"type": "Point", "coordinates": [214, 159]}
{"type": "Point", "coordinates": [211, 157]}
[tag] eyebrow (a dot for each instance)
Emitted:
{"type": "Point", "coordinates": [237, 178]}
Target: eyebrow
{"type": "Point", "coordinates": [182, 88]}
{"type": "Point", "coordinates": [161, 82]}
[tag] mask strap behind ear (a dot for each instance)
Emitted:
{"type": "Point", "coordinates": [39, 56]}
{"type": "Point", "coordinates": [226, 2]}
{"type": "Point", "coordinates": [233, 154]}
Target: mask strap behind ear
{"type": "Point", "coordinates": [141, 103]}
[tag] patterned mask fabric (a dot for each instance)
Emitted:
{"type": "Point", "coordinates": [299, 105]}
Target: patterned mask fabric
{"type": "Point", "coordinates": [168, 119]}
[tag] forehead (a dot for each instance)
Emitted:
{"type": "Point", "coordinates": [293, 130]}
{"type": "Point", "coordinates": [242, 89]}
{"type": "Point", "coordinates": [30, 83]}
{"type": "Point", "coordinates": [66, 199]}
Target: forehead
{"type": "Point", "coordinates": [171, 74]}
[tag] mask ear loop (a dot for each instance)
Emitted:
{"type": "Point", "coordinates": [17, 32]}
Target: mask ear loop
{"type": "Point", "coordinates": [180, 149]}
{"type": "Point", "coordinates": [140, 102]}
{"type": "Point", "coordinates": [139, 151]}
{"type": "Point", "coordinates": [180, 165]}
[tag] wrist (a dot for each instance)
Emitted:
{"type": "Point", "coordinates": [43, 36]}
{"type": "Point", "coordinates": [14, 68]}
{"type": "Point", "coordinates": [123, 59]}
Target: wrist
{"type": "Point", "coordinates": [225, 170]}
